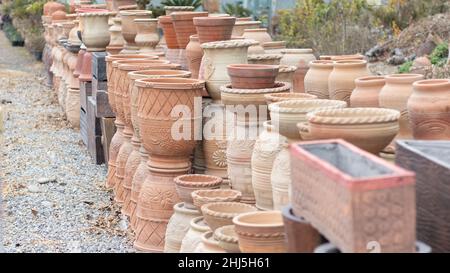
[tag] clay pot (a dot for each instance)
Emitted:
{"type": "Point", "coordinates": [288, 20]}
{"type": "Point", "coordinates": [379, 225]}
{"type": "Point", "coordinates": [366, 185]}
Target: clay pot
{"type": "Point", "coordinates": [194, 235]}
{"type": "Point", "coordinates": [139, 177]}
{"type": "Point", "coordinates": [429, 109]}
{"type": "Point", "coordinates": [227, 238]}
{"type": "Point", "coordinates": [277, 97]}
{"type": "Point", "coordinates": [171, 9]}
{"type": "Point", "coordinates": [347, 57]}
{"type": "Point", "coordinates": [286, 114]}
{"type": "Point", "coordinates": [267, 146]}
{"type": "Point", "coordinates": [255, 49]}
{"type": "Point", "coordinates": [316, 79]}
{"type": "Point", "coordinates": [129, 28]}
{"type": "Point", "coordinates": [265, 59]}
{"type": "Point", "coordinates": [211, 29]}
{"type": "Point", "coordinates": [147, 36]}
{"type": "Point", "coordinates": [287, 74]}
{"type": "Point", "coordinates": [260, 232]}
{"type": "Point", "coordinates": [341, 81]}
{"type": "Point", "coordinates": [170, 35]}
{"type": "Point", "coordinates": [367, 91]}
{"type": "Point", "coordinates": [301, 237]}
{"type": "Point", "coordinates": [121, 192]}
{"type": "Point", "coordinates": [371, 129]}
{"type": "Point", "coordinates": [86, 69]}
{"type": "Point", "coordinates": [116, 38]}
{"type": "Point", "coordinates": [241, 26]}
{"type": "Point", "coordinates": [59, 16]}
{"type": "Point", "coordinates": [209, 244]}
{"type": "Point", "coordinates": [186, 184]}
{"type": "Point", "coordinates": [73, 39]}
{"type": "Point", "coordinates": [301, 59]}
{"type": "Point", "coordinates": [281, 178]}
{"type": "Point", "coordinates": [274, 47]}
{"type": "Point", "coordinates": [258, 34]}
{"type": "Point", "coordinates": [194, 54]}
{"type": "Point", "coordinates": [95, 33]}
{"type": "Point", "coordinates": [395, 95]}
{"type": "Point", "coordinates": [252, 76]}
{"type": "Point", "coordinates": [184, 25]}
{"type": "Point", "coordinates": [177, 56]}
{"type": "Point", "coordinates": [217, 56]}
{"type": "Point", "coordinates": [133, 161]}
{"type": "Point", "coordinates": [52, 6]}
{"type": "Point", "coordinates": [201, 197]}
{"type": "Point", "coordinates": [221, 214]}
{"type": "Point", "coordinates": [178, 226]}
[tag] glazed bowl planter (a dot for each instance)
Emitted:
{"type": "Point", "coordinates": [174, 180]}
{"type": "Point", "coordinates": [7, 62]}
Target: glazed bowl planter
{"type": "Point", "coordinates": [201, 197]}
{"type": "Point", "coordinates": [194, 235]}
{"type": "Point", "coordinates": [129, 28]}
{"type": "Point", "coordinates": [227, 238]}
{"type": "Point", "coordinates": [301, 237]}
{"type": "Point", "coordinates": [209, 244]}
{"type": "Point", "coordinates": [286, 114]}
{"type": "Point", "coordinates": [260, 232]}
{"type": "Point", "coordinates": [186, 184]}
{"type": "Point", "coordinates": [277, 97]}
{"type": "Point", "coordinates": [184, 25]}
{"type": "Point", "coordinates": [316, 79]}
{"type": "Point", "coordinates": [95, 32]}
{"type": "Point", "coordinates": [265, 59]}
{"type": "Point", "coordinates": [430, 160]}
{"type": "Point", "coordinates": [194, 54]}
{"type": "Point", "coordinates": [221, 214]}
{"type": "Point", "coordinates": [367, 91]}
{"type": "Point", "coordinates": [252, 76]}
{"type": "Point", "coordinates": [429, 110]}
{"type": "Point", "coordinates": [170, 35]}
{"type": "Point", "coordinates": [211, 29]}
{"type": "Point", "coordinates": [341, 81]}
{"type": "Point", "coordinates": [330, 248]}
{"type": "Point", "coordinates": [360, 198]}
{"type": "Point", "coordinates": [147, 35]}
{"type": "Point", "coordinates": [301, 59]}
{"type": "Point", "coordinates": [371, 129]}
{"type": "Point", "coordinates": [241, 26]}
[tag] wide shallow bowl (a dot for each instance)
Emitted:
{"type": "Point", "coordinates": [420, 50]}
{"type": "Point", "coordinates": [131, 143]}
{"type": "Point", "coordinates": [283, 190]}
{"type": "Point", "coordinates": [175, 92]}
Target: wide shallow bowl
{"type": "Point", "coordinates": [227, 238]}
{"type": "Point", "coordinates": [186, 184]}
{"type": "Point", "coordinates": [202, 197]}
{"type": "Point", "coordinates": [222, 213]}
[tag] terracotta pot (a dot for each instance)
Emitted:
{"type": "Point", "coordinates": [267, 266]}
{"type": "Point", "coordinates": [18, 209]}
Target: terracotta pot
{"type": "Point", "coordinates": [227, 238]}
{"type": "Point", "coordinates": [330, 248]}
{"type": "Point", "coordinates": [258, 34]}
{"type": "Point", "coordinates": [255, 49]}
{"type": "Point", "coordinates": [201, 197]}
{"type": "Point", "coordinates": [178, 226]}
{"type": "Point", "coordinates": [217, 55]}
{"type": "Point", "coordinates": [221, 214]}
{"type": "Point", "coordinates": [186, 184]}
{"type": "Point", "coordinates": [267, 146]}
{"type": "Point", "coordinates": [211, 29]}
{"type": "Point", "coordinates": [52, 6]}
{"type": "Point", "coordinates": [274, 47]}
{"type": "Point", "coordinates": [286, 114]}
{"type": "Point", "coordinates": [59, 16]}
{"type": "Point", "coordinates": [116, 38]}
{"type": "Point", "coordinates": [193, 237]}
{"type": "Point", "coordinates": [260, 232]}
{"type": "Point", "coordinates": [67, 27]}
{"type": "Point", "coordinates": [73, 39]}
{"type": "Point", "coordinates": [277, 97]}
{"type": "Point", "coordinates": [133, 161]}
{"type": "Point", "coordinates": [367, 91]}
{"type": "Point", "coordinates": [73, 107]}
{"type": "Point", "coordinates": [120, 3]}
{"type": "Point", "coordinates": [241, 26]}
{"type": "Point", "coordinates": [341, 81]}
{"type": "Point", "coordinates": [209, 244]}
{"type": "Point", "coordinates": [114, 148]}
{"type": "Point", "coordinates": [95, 30]}
{"type": "Point", "coordinates": [429, 109]}
{"type": "Point", "coordinates": [170, 35]}
{"type": "Point", "coordinates": [129, 28]}
{"type": "Point", "coordinates": [139, 177]}
{"type": "Point", "coordinates": [252, 76]}
{"type": "Point", "coordinates": [287, 74]}
{"type": "Point", "coordinates": [281, 178]}
{"type": "Point", "coordinates": [170, 9]}
{"type": "Point", "coordinates": [194, 54]}
{"type": "Point", "coordinates": [301, 237]}
{"type": "Point", "coordinates": [147, 36]}
{"type": "Point", "coordinates": [125, 150]}
{"type": "Point", "coordinates": [177, 56]}
{"type": "Point", "coordinates": [347, 57]}
{"type": "Point", "coordinates": [184, 25]}
{"type": "Point", "coordinates": [265, 59]}
{"type": "Point", "coordinates": [86, 69]}
{"type": "Point", "coordinates": [301, 59]}
{"type": "Point", "coordinates": [316, 79]}
{"type": "Point", "coordinates": [371, 129]}
{"type": "Point", "coordinates": [333, 179]}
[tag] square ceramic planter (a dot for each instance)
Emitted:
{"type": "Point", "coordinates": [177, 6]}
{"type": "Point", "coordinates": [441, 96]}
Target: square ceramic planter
{"type": "Point", "coordinates": [352, 197]}
{"type": "Point", "coordinates": [431, 162]}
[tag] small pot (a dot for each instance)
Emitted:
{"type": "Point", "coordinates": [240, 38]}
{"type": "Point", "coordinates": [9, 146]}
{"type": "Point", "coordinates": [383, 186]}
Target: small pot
{"type": "Point", "coordinates": [227, 238]}
{"type": "Point", "coordinates": [184, 25]}
{"type": "Point", "coordinates": [201, 197]}
{"type": "Point", "coordinates": [316, 79]}
{"type": "Point", "coordinates": [211, 29]}
{"type": "Point", "coordinates": [252, 76]}
{"type": "Point", "coordinates": [241, 26]}
{"type": "Point", "coordinates": [186, 184]}
{"type": "Point", "coordinates": [221, 213]}
{"type": "Point", "coordinates": [170, 35]}
{"type": "Point", "coordinates": [194, 235]}
{"type": "Point", "coordinates": [367, 91]}
{"type": "Point", "coordinates": [277, 97]}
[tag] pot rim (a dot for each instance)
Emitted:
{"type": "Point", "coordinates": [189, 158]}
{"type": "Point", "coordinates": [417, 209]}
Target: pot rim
{"type": "Point", "coordinates": [243, 23]}
{"type": "Point", "coordinates": [273, 43]}
{"type": "Point", "coordinates": [346, 57]}
{"type": "Point", "coordinates": [367, 115]}
{"type": "Point", "coordinates": [349, 63]}
{"type": "Point", "coordinates": [127, 7]}
{"type": "Point", "coordinates": [370, 81]}
{"type": "Point", "coordinates": [210, 180]}
{"type": "Point", "coordinates": [214, 21]}
{"type": "Point", "coordinates": [229, 44]}
{"type": "Point", "coordinates": [255, 70]}
{"type": "Point", "coordinates": [403, 78]}
{"type": "Point", "coordinates": [181, 207]}
{"type": "Point", "coordinates": [132, 65]}
{"type": "Point", "coordinates": [279, 87]}
{"type": "Point", "coordinates": [158, 73]}
{"type": "Point", "coordinates": [234, 195]}
{"type": "Point", "coordinates": [187, 15]}
{"type": "Point", "coordinates": [297, 50]}
{"type": "Point", "coordinates": [432, 84]}
{"type": "Point", "coordinates": [171, 83]}
{"type": "Point", "coordinates": [264, 56]}
{"type": "Point", "coordinates": [240, 219]}
{"type": "Point", "coordinates": [222, 234]}
{"type": "Point", "coordinates": [195, 224]}
{"type": "Point", "coordinates": [287, 69]}
{"type": "Point", "coordinates": [208, 238]}
{"type": "Point", "coordinates": [111, 58]}
{"type": "Point", "coordinates": [209, 209]}
{"type": "Point", "coordinates": [305, 106]}
{"type": "Point", "coordinates": [179, 7]}
{"type": "Point", "coordinates": [133, 12]}
{"type": "Point", "coordinates": [328, 64]}
{"type": "Point", "coordinates": [261, 29]}
{"type": "Point", "coordinates": [99, 13]}
{"type": "Point", "coordinates": [277, 97]}
{"type": "Point", "coordinates": [145, 20]}
{"type": "Point", "coordinates": [165, 19]}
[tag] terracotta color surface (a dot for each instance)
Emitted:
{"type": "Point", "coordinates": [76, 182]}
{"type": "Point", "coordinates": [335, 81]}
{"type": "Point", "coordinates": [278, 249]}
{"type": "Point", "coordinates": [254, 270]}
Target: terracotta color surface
{"type": "Point", "coordinates": [341, 80]}
{"type": "Point", "coordinates": [301, 59]}
{"type": "Point", "coordinates": [367, 91]}
{"type": "Point", "coordinates": [211, 29]}
{"type": "Point", "coordinates": [170, 35]}
{"type": "Point", "coordinates": [184, 25]}
{"type": "Point", "coordinates": [129, 28]}
{"type": "Point", "coordinates": [316, 79]}
{"type": "Point", "coordinates": [220, 214]}
{"type": "Point", "coordinates": [252, 76]}
{"type": "Point", "coordinates": [277, 97]}
{"type": "Point", "coordinates": [147, 35]}
{"type": "Point", "coordinates": [178, 226]}
{"type": "Point", "coordinates": [194, 54]}
{"type": "Point", "coordinates": [186, 184]}
{"type": "Point", "coordinates": [194, 235]}
{"type": "Point", "coordinates": [227, 238]}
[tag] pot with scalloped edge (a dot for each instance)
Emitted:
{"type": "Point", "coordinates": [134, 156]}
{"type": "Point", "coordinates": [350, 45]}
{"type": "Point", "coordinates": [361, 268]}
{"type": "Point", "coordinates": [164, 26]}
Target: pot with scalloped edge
{"type": "Point", "coordinates": [221, 213]}
{"type": "Point", "coordinates": [201, 197]}
{"type": "Point", "coordinates": [186, 184]}
{"type": "Point", "coordinates": [227, 238]}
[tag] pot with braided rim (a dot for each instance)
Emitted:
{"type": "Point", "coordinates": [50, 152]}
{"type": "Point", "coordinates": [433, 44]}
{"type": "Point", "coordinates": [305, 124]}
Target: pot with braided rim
{"type": "Point", "coordinates": [220, 214]}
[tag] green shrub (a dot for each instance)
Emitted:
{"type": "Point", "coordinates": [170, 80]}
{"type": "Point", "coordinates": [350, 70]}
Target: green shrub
{"type": "Point", "coordinates": [236, 10]}
{"type": "Point", "coordinates": [439, 55]}
{"type": "Point", "coordinates": [405, 67]}
{"type": "Point", "coordinates": [194, 3]}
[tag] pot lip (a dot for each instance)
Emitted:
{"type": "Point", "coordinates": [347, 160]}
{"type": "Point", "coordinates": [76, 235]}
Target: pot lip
{"type": "Point", "coordinates": [243, 23]}
{"type": "Point", "coordinates": [181, 207]}
{"type": "Point", "coordinates": [346, 57]}
{"type": "Point", "coordinates": [111, 58]}
{"type": "Point", "coordinates": [265, 56]}
{"type": "Point", "coordinates": [145, 20]}
{"type": "Point", "coordinates": [234, 195]}
{"type": "Point", "coordinates": [279, 87]}
{"type": "Point", "coordinates": [211, 181]}
{"type": "Point", "coordinates": [370, 81]}
{"type": "Point", "coordinates": [361, 115]}
{"type": "Point", "coordinates": [165, 19]}
{"type": "Point", "coordinates": [241, 69]}
{"type": "Point", "coordinates": [158, 73]}
{"type": "Point", "coordinates": [297, 50]}
{"type": "Point", "coordinates": [240, 219]}
{"type": "Point", "coordinates": [179, 7]}
{"type": "Point", "coordinates": [187, 15]}
{"type": "Point", "coordinates": [261, 29]}
{"type": "Point", "coordinates": [403, 78]}
{"type": "Point", "coordinates": [287, 69]}
{"type": "Point", "coordinates": [171, 83]}
{"type": "Point", "coordinates": [195, 224]}
{"type": "Point", "coordinates": [194, 38]}
{"type": "Point", "coordinates": [277, 97]}
{"type": "Point", "coordinates": [349, 63]}
{"type": "Point", "coordinates": [305, 105]}
{"type": "Point", "coordinates": [133, 12]}
{"type": "Point", "coordinates": [432, 84]}
{"type": "Point", "coordinates": [229, 44]}
{"type": "Point", "coordinates": [132, 65]}
{"type": "Point", "coordinates": [92, 14]}
{"type": "Point", "coordinates": [208, 238]}
{"type": "Point", "coordinates": [127, 7]}
{"type": "Point", "coordinates": [214, 21]}
{"type": "Point", "coordinates": [273, 43]}
{"type": "Point", "coordinates": [328, 64]}
{"type": "Point", "coordinates": [220, 235]}
{"type": "Point", "coordinates": [206, 209]}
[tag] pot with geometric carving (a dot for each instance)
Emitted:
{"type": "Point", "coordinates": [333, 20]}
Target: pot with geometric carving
{"type": "Point", "coordinates": [139, 177]}
{"type": "Point", "coordinates": [186, 184]}
{"type": "Point", "coordinates": [316, 79]}
{"type": "Point", "coordinates": [129, 28]}
{"type": "Point", "coordinates": [219, 214]}
{"type": "Point", "coordinates": [301, 59]}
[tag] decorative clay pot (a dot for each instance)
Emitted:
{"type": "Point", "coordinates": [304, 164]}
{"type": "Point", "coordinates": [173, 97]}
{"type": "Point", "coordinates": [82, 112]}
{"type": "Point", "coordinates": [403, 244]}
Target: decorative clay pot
{"type": "Point", "coordinates": [209, 244]}
{"type": "Point", "coordinates": [241, 26]}
{"type": "Point", "coordinates": [95, 30]}
{"type": "Point", "coordinates": [116, 39]}
{"type": "Point", "coordinates": [201, 197]}
{"type": "Point", "coordinates": [221, 214]}
{"type": "Point", "coordinates": [211, 29]}
{"type": "Point", "coordinates": [139, 177]}
{"type": "Point", "coordinates": [147, 36]}
{"type": "Point", "coordinates": [265, 59]}
{"type": "Point", "coordinates": [52, 6]}
{"type": "Point", "coordinates": [171, 9]}
{"type": "Point", "coordinates": [129, 28]}
{"type": "Point", "coordinates": [281, 178]}
{"type": "Point", "coordinates": [367, 91]}
{"type": "Point", "coordinates": [133, 161]}
{"type": "Point", "coordinates": [194, 54]}
{"type": "Point", "coordinates": [316, 79]}
{"type": "Point", "coordinates": [252, 76]}
{"type": "Point", "coordinates": [186, 184]}
{"type": "Point", "coordinates": [301, 59]}
{"type": "Point", "coordinates": [287, 74]}
{"type": "Point", "coordinates": [184, 25]}
{"type": "Point", "coordinates": [194, 235]}
{"type": "Point", "coordinates": [227, 238]}
{"type": "Point", "coordinates": [258, 34]}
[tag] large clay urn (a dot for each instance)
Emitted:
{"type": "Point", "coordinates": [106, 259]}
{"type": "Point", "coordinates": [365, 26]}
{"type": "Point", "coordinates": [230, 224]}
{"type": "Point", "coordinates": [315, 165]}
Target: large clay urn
{"type": "Point", "coordinates": [95, 32]}
{"type": "Point", "coordinates": [429, 109]}
{"type": "Point", "coordinates": [241, 26]}
{"type": "Point", "coordinates": [341, 81]}
{"type": "Point", "coordinates": [367, 91]}
{"type": "Point", "coordinates": [73, 39]}
{"type": "Point", "coordinates": [316, 79]}
{"type": "Point", "coordinates": [301, 59]}
{"type": "Point", "coordinates": [147, 36]}
{"type": "Point", "coordinates": [194, 54]}
{"type": "Point", "coordinates": [116, 39]}
{"type": "Point", "coordinates": [170, 35]}
{"type": "Point", "coordinates": [129, 28]}
{"type": "Point", "coordinates": [178, 227]}
{"type": "Point", "coordinates": [184, 25]}
{"type": "Point", "coordinates": [211, 29]}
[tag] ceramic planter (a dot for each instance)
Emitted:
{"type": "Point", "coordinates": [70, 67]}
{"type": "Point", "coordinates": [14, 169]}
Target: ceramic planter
{"type": "Point", "coordinates": [367, 91]}
{"type": "Point", "coordinates": [260, 232]}
{"type": "Point", "coordinates": [430, 160]}
{"type": "Point", "coordinates": [371, 129]}
{"type": "Point", "coordinates": [360, 198]}
{"type": "Point", "coordinates": [147, 36]}
{"type": "Point", "coordinates": [274, 47]}
{"type": "Point", "coordinates": [133, 161]}
{"type": "Point", "coordinates": [227, 238]}
{"type": "Point", "coordinates": [86, 69]}
{"type": "Point", "coordinates": [219, 214]}
{"type": "Point", "coordinates": [341, 81]}
{"type": "Point", "coordinates": [184, 25]}
{"type": "Point", "coordinates": [287, 74]}
{"type": "Point", "coordinates": [316, 79]}
{"type": "Point", "coordinates": [178, 226]}
{"type": "Point", "coordinates": [194, 54]}
{"type": "Point", "coordinates": [277, 97]}
{"type": "Point", "coordinates": [116, 39]}
{"type": "Point", "coordinates": [241, 26]}
{"type": "Point", "coordinates": [201, 197]}
{"type": "Point", "coordinates": [121, 193]}
{"type": "Point", "coordinates": [211, 29]}
{"type": "Point", "coordinates": [330, 248]}
{"type": "Point", "coordinates": [186, 184]}
{"type": "Point", "coordinates": [258, 34]}
{"type": "Point", "coordinates": [281, 178]}
{"type": "Point", "coordinates": [209, 244]}
{"type": "Point", "coordinates": [95, 30]}
{"type": "Point", "coordinates": [139, 177]}
{"type": "Point", "coordinates": [301, 237]}
{"type": "Point", "coordinates": [194, 235]}
{"type": "Point", "coordinates": [122, 3]}
{"type": "Point", "coordinates": [429, 110]}
{"type": "Point", "coordinates": [286, 114]}
{"type": "Point", "coordinates": [129, 28]}
{"type": "Point", "coordinates": [171, 9]}
{"type": "Point", "coordinates": [265, 59]}
{"type": "Point", "coordinates": [252, 76]}
{"type": "Point", "coordinates": [301, 59]}
{"type": "Point", "coordinates": [73, 107]}
{"type": "Point", "coordinates": [170, 35]}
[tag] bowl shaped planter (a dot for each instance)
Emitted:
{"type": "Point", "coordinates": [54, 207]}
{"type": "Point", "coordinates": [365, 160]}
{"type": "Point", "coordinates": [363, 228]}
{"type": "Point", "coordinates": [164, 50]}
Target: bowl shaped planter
{"type": "Point", "coordinates": [211, 29]}
{"type": "Point", "coordinates": [201, 197]}
{"type": "Point", "coordinates": [252, 76]}
{"type": "Point", "coordinates": [277, 97]}
{"type": "Point", "coordinates": [186, 184]}
{"type": "Point", "coordinates": [352, 197]}
{"type": "Point", "coordinates": [227, 238]}
{"type": "Point", "coordinates": [431, 162]}
{"type": "Point", "coordinates": [221, 213]}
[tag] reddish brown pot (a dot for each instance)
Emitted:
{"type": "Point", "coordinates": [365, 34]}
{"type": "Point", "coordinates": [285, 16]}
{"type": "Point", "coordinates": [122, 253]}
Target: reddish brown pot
{"type": "Point", "coordinates": [429, 109]}
{"type": "Point", "coordinates": [138, 180]}
{"type": "Point", "coordinates": [316, 79]}
{"type": "Point", "coordinates": [86, 69]}
{"type": "Point", "coordinates": [51, 7]}
{"type": "Point", "coordinates": [184, 25]}
{"type": "Point", "coordinates": [194, 54]}
{"type": "Point", "coordinates": [133, 161]}
{"type": "Point", "coordinates": [170, 35]}
{"type": "Point", "coordinates": [252, 76]}
{"type": "Point", "coordinates": [211, 29]}
{"type": "Point", "coordinates": [121, 161]}
{"type": "Point", "coordinates": [367, 91]}
{"type": "Point", "coordinates": [186, 184]}
{"type": "Point", "coordinates": [77, 71]}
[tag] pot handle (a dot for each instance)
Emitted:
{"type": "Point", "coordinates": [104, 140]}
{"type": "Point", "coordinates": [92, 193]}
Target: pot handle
{"type": "Point", "coordinates": [304, 130]}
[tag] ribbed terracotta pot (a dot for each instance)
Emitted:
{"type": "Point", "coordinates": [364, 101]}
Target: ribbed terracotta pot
{"type": "Point", "coordinates": [184, 25]}
{"type": "Point", "coordinates": [194, 54]}
{"type": "Point", "coordinates": [367, 91]}
{"type": "Point", "coordinates": [316, 79]}
{"type": "Point", "coordinates": [252, 76]}
{"type": "Point", "coordinates": [129, 28]}
{"type": "Point", "coordinates": [260, 232]}
{"type": "Point", "coordinates": [241, 26]}
{"type": "Point", "coordinates": [194, 235]}
{"type": "Point", "coordinates": [209, 244]}
{"type": "Point", "coordinates": [429, 109]}
{"type": "Point", "coordinates": [95, 32]}
{"type": "Point", "coordinates": [281, 178]}
{"type": "Point", "coordinates": [227, 238]}
{"type": "Point", "coordinates": [221, 214]}
{"type": "Point", "coordinates": [201, 197]}
{"type": "Point", "coordinates": [277, 97]}
{"type": "Point", "coordinates": [211, 29]}
{"type": "Point", "coordinates": [133, 161]}
{"type": "Point", "coordinates": [301, 59]}
{"type": "Point", "coordinates": [170, 35]}
{"type": "Point", "coordinates": [186, 184]}
{"type": "Point", "coordinates": [147, 35]}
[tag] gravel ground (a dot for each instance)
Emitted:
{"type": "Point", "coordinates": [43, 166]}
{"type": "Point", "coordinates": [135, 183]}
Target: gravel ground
{"type": "Point", "coordinates": [53, 195]}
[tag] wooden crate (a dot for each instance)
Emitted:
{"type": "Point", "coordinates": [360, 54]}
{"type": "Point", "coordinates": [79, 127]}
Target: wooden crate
{"type": "Point", "coordinates": [85, 92]}
{"type": "Point", "coordinates": [102, 107]}
{"type": "Point", "coordinates": [83, 126]}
